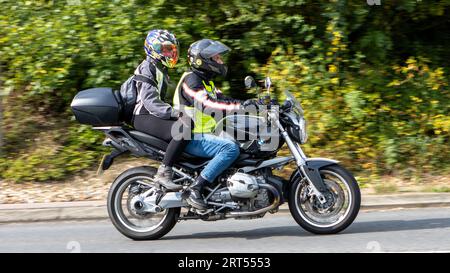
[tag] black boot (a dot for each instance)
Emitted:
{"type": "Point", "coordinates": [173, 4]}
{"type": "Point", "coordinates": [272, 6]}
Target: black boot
{"type": "Point", "coordinates": [164, 178]}
{"type": "Point", "coordinates": [195, 198]}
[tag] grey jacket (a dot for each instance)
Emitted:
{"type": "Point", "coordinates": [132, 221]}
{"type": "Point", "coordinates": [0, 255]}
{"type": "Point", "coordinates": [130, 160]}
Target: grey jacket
{"type": "Point", "coordinates": [149, 97]}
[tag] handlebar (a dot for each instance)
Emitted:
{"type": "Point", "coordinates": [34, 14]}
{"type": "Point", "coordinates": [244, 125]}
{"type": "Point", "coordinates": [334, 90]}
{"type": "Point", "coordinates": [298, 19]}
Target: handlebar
{"type": "Point", "coordinates": [286, 105]}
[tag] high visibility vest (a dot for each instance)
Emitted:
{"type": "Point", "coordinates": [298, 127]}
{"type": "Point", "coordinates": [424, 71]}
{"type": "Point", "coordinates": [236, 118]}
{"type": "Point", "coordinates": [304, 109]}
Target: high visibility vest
{"type": "Point", "coordinates": [203, 123]}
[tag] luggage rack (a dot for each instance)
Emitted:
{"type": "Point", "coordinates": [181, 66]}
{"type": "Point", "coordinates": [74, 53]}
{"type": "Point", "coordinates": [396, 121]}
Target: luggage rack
{"type": "Point", "coordinates": [122, 142]}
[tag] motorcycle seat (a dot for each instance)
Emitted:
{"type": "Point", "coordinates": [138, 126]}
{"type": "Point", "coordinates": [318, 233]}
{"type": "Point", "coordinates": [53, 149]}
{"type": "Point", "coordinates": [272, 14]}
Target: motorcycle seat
{"type": "Point", "coordinates": [158, 143]}
{"type": "Point", "coordinates": [162, 145]}
{"type": "Point", "coordinates": [148, 139]}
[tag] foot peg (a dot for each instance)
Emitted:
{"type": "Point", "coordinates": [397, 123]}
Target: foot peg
{"type": "Point", "coordinates": [185, 194]}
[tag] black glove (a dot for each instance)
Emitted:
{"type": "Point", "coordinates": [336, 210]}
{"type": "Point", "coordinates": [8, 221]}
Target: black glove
{"type": "Point", "coordinates": [175, 114]}
{"type": "Point", "coordinates": [250, 102]}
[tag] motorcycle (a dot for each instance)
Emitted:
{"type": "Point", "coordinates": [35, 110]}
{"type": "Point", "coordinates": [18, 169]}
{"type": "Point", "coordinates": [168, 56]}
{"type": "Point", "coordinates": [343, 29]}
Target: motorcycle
{"type": "Point", "coordinates": [323, 197]}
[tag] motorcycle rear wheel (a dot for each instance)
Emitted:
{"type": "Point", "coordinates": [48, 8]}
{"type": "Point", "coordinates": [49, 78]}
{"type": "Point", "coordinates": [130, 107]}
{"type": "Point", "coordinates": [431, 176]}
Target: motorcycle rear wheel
{"type": "Point", "coordinates": [125, 219]}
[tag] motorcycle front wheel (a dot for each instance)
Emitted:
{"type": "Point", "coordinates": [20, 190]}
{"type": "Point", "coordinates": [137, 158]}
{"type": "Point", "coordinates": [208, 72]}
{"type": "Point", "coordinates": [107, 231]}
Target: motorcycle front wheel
{"type": "Point", "coordinates": [127, 220]}
{"type": "Point", "coordinates": [342, 204]}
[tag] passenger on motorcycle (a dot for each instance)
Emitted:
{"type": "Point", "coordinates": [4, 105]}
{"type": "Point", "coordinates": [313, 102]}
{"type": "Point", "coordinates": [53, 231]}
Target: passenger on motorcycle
{"type": "Point", "coordinates": [151, 114]}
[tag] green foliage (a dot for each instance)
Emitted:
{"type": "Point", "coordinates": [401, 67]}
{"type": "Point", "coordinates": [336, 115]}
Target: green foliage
{"type": "Point", "coordinates": [372, 79]}
{"type": "Point", "coordinates": [50, 160]}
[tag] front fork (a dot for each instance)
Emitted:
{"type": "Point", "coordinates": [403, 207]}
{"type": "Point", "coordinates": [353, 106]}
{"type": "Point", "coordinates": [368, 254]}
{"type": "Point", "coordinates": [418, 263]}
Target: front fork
{"type": "Point", "coordinates": [312, 174]}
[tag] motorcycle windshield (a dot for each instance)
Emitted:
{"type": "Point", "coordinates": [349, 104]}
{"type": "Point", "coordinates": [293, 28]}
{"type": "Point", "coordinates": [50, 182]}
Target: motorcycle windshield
{"type": "Point", "coordinates": [295, 102]}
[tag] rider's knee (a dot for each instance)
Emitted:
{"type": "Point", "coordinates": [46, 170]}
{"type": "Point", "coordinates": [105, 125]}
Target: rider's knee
{"type": "Point", "coordinates": [232, 149]}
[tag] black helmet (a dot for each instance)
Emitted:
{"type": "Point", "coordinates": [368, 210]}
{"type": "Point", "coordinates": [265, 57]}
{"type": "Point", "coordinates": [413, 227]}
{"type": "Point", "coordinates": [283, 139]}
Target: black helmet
{"type": "Point", "coordinates": [201, 53]}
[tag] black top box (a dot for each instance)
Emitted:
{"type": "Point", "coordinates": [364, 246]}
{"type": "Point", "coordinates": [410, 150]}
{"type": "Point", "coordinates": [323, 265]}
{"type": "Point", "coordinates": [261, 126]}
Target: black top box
{"type": "Point", "coordinates": [97, 107]}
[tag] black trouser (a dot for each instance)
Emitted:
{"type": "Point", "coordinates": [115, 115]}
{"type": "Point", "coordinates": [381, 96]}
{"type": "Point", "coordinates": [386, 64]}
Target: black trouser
{"type": "Point", "coordinates": [162, 129]}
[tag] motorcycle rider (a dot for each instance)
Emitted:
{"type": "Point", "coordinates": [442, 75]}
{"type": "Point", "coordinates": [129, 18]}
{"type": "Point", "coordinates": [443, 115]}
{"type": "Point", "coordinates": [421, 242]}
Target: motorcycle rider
{"type": "Point", "coordinates": [151, 114]}
{"type": "Point", "coordinates": [197, 95]}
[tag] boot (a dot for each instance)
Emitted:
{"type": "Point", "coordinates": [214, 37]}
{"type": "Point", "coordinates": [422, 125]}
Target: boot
{"type": "Point", "coordinates": [195, 198]}
{"type": "Point", "coordinates": [164, 178]}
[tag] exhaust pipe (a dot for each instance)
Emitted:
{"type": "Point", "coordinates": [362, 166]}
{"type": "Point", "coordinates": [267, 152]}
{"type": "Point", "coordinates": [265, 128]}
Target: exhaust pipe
{"type": "Point", "coordinates": [275, 203]}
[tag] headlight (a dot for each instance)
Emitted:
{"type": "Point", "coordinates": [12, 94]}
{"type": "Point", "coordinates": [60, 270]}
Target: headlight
{"type": "Point", "coordinates": [303, 134]}
{"type": "Point", "coordinates": [297, 129]}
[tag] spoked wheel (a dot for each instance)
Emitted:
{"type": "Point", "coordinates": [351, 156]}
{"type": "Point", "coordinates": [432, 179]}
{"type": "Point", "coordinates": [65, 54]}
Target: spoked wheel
{"type": "Point", "coordinates": [127, 215]}
{"type": "Point", "coordinates": [340, 208]}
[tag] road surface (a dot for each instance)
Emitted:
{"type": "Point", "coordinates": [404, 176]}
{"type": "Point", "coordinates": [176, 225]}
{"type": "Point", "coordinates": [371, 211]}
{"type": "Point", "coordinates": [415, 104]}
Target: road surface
{"type": "Point", "coordinates": [410, 230]}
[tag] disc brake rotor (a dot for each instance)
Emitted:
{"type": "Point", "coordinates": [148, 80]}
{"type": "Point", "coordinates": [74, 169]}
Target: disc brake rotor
{"type": "Point", "coordinates": [334, 201]}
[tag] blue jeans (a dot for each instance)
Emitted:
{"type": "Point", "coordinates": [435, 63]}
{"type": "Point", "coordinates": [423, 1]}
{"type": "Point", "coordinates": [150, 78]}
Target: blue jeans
{"type": "Point", "coordinates": [222, 151]}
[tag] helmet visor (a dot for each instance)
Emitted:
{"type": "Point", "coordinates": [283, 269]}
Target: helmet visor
{"type": "Point", "coordinates": [169, 50]}
{"type": "Point", "coordinates": [219, 58]}
{"type": "Point", "coordinates": [214, 48]}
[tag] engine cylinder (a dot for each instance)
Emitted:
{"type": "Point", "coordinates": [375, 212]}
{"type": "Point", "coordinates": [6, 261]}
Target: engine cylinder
{"type": "Point", "coordinates": [243, 185]}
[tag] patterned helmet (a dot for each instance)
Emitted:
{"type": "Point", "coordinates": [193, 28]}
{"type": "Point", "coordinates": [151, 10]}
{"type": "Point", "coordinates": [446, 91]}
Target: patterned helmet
{"type": "Point", "coordinates": [163, 46]}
